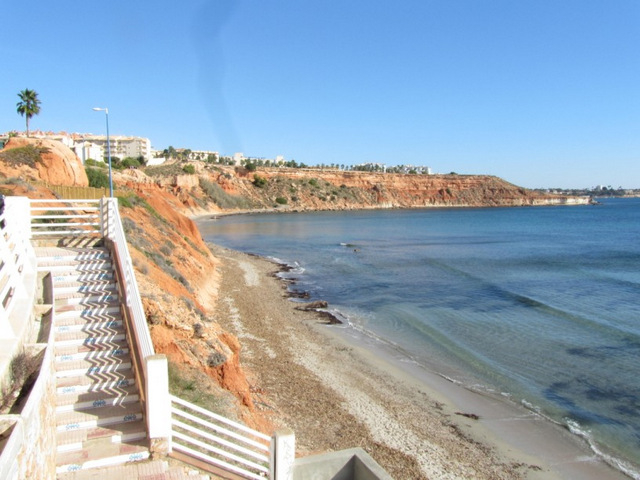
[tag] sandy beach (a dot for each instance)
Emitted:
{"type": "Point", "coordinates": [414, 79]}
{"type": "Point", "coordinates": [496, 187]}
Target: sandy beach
{"type": "Point", "coordinates": [324, 383]}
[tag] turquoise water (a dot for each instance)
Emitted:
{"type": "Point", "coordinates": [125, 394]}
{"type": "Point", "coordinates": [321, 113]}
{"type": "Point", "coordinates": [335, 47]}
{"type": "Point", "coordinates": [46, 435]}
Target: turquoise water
{"type": "Point", "coordinates": [540, 304]}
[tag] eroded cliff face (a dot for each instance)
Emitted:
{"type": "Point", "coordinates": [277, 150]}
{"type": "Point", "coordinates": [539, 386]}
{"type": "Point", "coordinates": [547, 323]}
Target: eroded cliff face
{"type": "Point", "coordinates": [177, 273]}
{"type": "Point", "coordinates": [314, 189]}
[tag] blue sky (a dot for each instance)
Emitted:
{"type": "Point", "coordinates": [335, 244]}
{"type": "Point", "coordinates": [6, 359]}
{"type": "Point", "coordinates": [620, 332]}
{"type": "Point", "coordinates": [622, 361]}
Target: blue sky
{"type": "Point", "coordinates": [544, 93]}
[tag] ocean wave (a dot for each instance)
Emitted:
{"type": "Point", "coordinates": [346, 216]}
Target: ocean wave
{"type": "Point", "coordinates": [617, 463]}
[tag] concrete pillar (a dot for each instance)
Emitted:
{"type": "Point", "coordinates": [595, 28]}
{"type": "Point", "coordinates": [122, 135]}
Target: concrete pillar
{"type": "Point", "coordinates": [283, 455]}
{"type": "Point", "coordinates": [158, 403]}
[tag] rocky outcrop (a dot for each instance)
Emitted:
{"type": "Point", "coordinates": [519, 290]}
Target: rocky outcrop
{"type": "Point", "coordinates": [55, 164]}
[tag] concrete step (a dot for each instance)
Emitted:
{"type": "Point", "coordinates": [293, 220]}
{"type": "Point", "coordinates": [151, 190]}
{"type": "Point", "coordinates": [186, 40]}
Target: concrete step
{"type": "Point", "coordinates": [81, 278]}
{"type": "Point", "coordinates": [98, 417]}
{"type": "Point", "coordinates": [143, 470]}
{"type": "Point", "coordinates": [64, 289]}
{"type": "Point", "coordinates": [85, 298]}
{"type": "Point", "coordinates": [92, 348]}
{"type": "Point", "coordinates": [78, 324]}
{"type": "Point", "coordinates": [88, 321]}
{"type": "Point", "coordinates": [71, 355]}
{"type": "Point", "coordinates": [101, 454]}
{"type": "Point", "coordinates": [74, 440]}
{"type": "Point", "coordinates": [95, 399]}
{"type": "Point", "coordinates": [95, 367]}
{"type": "Point", "coordinates": [94, 383]}
{"type": "Point", "coordinates": [75, 268]}
{"type": "Point", "coordinates": [90, 336]}
{"type": "Point", "coordinates": [88, 311]}
{"type": "Point", "coordinates": [75, 253]}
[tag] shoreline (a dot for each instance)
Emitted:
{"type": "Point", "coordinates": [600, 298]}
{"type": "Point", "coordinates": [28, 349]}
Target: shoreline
{"type": "Point", "coordinates": [214, 215]}
{"type": "Point", "coordinates": [336, 392]}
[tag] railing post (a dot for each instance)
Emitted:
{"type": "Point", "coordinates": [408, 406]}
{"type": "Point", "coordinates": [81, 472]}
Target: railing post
{"type": "Point", "coordinates": [107, 216]}
{"type": "Point", "coordinates": [158, 404]}
{"type": "Point", "coordinates": [103, 217]}
{"type": "Point", "coordinates": [283, 455]}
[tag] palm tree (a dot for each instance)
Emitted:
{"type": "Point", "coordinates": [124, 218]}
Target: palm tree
{"type": "Point", "coordinates": [29, 105]}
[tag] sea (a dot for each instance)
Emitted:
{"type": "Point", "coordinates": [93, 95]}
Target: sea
{"type": "Point", "coordinates": [540, 305]}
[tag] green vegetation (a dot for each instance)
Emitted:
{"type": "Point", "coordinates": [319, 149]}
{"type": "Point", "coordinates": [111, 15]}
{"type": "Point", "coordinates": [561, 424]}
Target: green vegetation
{"type": "Point", "coordinates": [164, 170]}
{"type": "Point", "coordinates": [187, 384]}
{"type": "Point", "coordinates": [190, 169]}
{"type": "Point", "coordinates": [98, 178]}
{"type": "Point", "coordinates": [259, 181]}
{"type": "Point", "coordinates": [281, 200]}
{"type": "Point", "coordinates": [90, 162]}
{"type": "Point", "coordinates": [221, 198]}
{"type": "Point", "coordinates": [27, 155]}
{"type": "Point", "coordinates": [128, 162]}
{"type": "Point", "coordinates": [132, 200]}
{"type": "Point", "coordinates": [23, 372]}
{"type": "Point", "coordinates": [29, 105]}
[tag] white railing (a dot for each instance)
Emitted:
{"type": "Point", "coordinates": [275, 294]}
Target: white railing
{"type": "Point", "coordinates": [219, 441]}
{"type": "Point", "coordinates": [111, 226]}
{"type": "Point", "coordinates": [199, 436]}
{"type": "Point", "coordinates": [65, 217]}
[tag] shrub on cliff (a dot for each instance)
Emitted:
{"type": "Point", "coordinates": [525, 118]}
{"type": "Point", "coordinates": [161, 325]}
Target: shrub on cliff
{"type": "Point", "coordinates": [221, 198]}
{"type": "Point", "coordinates": [97, 177]}
{"type": "Point", "coordinates": [27, 155]}
{"type": "Point", "coordinates": [259, 181]}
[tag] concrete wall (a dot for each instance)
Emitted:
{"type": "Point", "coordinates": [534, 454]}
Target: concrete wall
{"type": "Point", "coordinates": [30, 450]}
{"type": "Point", "coordinates": [351, 464]}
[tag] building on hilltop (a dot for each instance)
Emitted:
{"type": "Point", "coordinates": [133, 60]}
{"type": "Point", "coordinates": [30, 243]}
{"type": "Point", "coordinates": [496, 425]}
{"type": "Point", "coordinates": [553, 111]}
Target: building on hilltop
{"type": "Point", "coordinates": [87, 145]}
{"type": "Point", "coordinates": [121, 146]}
{"type": "Point", "coordinates": [381, 167]}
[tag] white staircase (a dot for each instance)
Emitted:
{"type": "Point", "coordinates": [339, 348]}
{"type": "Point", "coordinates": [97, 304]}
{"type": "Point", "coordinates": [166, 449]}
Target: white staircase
{"type": "Point", "coordinates": [99, 418]}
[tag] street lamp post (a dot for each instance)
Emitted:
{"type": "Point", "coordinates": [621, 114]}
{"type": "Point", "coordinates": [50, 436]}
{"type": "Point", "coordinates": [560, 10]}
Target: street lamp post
{"type": "Point", "coordinates": [106, 111]}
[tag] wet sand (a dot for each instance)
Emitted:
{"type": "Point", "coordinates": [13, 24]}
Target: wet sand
{"type": "Point", "coordinates": [336, 391]}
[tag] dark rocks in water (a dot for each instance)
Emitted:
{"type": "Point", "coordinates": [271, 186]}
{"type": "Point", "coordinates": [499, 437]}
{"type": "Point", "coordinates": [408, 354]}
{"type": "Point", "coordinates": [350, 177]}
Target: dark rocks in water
{"type": "Point", "coordinates": [330, 318]}
{"type": "Point", "coordinates": [298, 294]}
{"type": "Point", "coordinates": [318, 306]}
{"type": "Point", "coordinates": [472, 416]}
{"type": "Point", "coordinates": [313, 305]}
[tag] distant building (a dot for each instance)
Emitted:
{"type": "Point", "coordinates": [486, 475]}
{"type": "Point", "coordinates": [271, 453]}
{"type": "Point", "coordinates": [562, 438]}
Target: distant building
{"type": "Point", "coordinates": [421, 170]}
{"type": "Point", "coordinates": [86, 150]}
{"type": "Point", "coordinates": [122, 146]}
{"type": "Point", "coordinates": [237, 158]}
{"type": "Point", "coordinates": [203, 155]}
{"type": "Point", "coordinates": [87, 145]}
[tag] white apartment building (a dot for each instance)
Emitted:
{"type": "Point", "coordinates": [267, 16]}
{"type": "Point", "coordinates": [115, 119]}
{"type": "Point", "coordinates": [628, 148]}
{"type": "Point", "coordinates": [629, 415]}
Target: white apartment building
{"type": "Point", "coordinates": [121, 146]}
{"type": "Point", "coordinates": [86, 150]}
